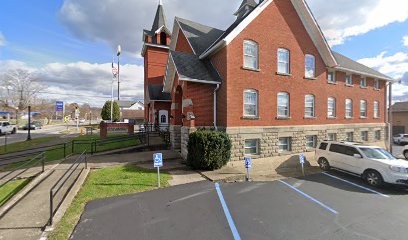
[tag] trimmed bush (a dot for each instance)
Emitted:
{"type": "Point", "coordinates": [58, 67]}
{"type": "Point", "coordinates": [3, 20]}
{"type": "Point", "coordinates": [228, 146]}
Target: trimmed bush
{"type": "Point", "coordinates": [208, 150]}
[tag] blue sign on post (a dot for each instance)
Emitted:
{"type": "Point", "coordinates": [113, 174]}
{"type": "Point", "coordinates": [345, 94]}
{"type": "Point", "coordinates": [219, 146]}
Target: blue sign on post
{"type": "Point", "coordinates": [248, 163]}
{"type": "Point", "coordinates": [158, 160]}
{"type": "Point", "coordinates": [59, 106]}
{"type": "Point", "coordinates": [302, 158]}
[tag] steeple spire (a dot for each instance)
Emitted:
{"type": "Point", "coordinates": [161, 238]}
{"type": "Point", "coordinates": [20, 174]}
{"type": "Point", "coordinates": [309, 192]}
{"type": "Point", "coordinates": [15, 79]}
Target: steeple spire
{"type": "Point", "coordinates": [160, 18]}
{"type": "Point", "coordinates": [245, 7]}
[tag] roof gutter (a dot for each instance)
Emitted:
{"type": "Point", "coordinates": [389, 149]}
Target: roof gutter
{"type": "Point", "coordinates": [207, 52]}
{"type": "Point", "coordinates": [362, 73]}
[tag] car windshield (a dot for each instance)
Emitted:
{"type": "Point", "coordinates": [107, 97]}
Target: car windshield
{"type": "Point", "coordinates": [377, 153]}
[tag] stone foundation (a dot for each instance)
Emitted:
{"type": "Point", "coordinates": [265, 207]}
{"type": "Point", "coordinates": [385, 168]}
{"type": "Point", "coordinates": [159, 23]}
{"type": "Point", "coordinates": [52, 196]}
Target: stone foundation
{"type": "Point", "coordinates": [175, 137]}
{"type": "Point", "coordinates": [185, 132]}
{"type": "Point", "coordinates": [268, 138]}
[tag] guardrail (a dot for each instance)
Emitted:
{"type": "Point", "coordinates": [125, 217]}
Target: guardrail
{"type": "Point", "coordinates": [62, 181]}
{"type": "Point", "coordinates": [27, 165]}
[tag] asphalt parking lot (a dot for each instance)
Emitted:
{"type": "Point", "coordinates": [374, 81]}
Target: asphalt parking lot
{"type": "Point", "coordinates": [329, 205]}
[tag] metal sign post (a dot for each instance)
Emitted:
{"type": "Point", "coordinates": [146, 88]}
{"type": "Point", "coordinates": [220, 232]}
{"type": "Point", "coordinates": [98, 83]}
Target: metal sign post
{"type": "Point", "coordinates": [248, 165]}
{"type": "Point", "coordinates": [302, 162]}
{"type": "Point", "coordinates": [158, 162]}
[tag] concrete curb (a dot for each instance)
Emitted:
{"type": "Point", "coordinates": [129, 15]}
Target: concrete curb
{"type": "Point", "coordinates": [66, 203]}
{"type": "Point", "coordinates": [27, 189]}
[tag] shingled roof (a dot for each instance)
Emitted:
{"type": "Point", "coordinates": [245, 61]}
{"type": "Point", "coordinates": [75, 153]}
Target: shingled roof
{"type": "Point", "coordinates": [347, 63]}
{"type": "Point", "coordinates": [191, 68]}
{"type": "Point", "coordinates": [400, 107]}
{"type": "Point", "coordinates": [198, 35]}
{"type": "Point", "coordinates": [156, 93]}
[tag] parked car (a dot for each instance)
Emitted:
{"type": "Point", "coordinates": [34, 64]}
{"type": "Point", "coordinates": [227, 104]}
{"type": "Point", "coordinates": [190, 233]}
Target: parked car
{"type": "Point", "coordinates": [7, 128]}
{"type": "Point", "coordinates": [401, 139]}
{"type": "Point", "coordinates": [374, 164]}
{"type": "Point", "coordinates": [34, 125]}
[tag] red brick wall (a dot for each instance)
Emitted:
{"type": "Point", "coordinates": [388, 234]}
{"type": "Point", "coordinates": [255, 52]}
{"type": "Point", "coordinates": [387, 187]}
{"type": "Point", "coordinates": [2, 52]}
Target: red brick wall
{"type": "Point", "coordinates": [280, 27]}
{"type": "Point", "coordinates": [219, 61]}
{"type": "Point", "coordinates": [202, 96]}
{"type": "Point", "coordinates": [182, 43]}
{"type": "Point", "coordinates": [162, 106]}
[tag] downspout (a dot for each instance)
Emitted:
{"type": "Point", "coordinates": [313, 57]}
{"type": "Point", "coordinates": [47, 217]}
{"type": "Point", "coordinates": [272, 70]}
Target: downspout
{"type": "Point", "coordinates": [389, 120]}
{"type": "Point", "coordinates": [215, 106]}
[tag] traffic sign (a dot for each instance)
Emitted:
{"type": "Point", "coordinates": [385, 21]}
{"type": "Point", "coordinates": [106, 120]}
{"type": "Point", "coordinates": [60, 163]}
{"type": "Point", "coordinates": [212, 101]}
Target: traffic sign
{"type": "Point", "coordinates": [66, 119]}
{"type": "Point", "coordinates": [158, 160]}
{"type": "Point", "coordinates": [248, 163]}
{"type": "Point", "coordinates": [302, 159]}
{"type": "Point", "coordinates": [59, 106]}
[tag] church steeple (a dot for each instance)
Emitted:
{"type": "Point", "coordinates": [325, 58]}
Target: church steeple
{"type": "Point", "coordinates": [159, 33]}
{"type": "Point", "coordinates": [245, 7]}
{"type": "Point", "coordinates": [160, 18]}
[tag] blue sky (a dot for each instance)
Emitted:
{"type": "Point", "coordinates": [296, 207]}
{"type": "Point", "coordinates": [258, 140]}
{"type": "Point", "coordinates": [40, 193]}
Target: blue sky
{"type": "Point", "coordinates": [72, 41]}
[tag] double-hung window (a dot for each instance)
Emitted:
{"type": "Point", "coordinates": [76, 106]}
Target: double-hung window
{"type": "Point", "coordinates": [363, 108]}
{"type": "Point", "coordinates": [363, 82]}
{"type": "Point", "coordinates": [349, 80]}
{"type": "Point", "coordinates": [332, 137]}
{"type": "Point", "coordinates": [309, 106]}
{"type": "Point", "coordinates": [283, 61]}
{"type": "Point", "coordinates": [285, 144]}
{"type": "Point", "coordinates": [349, 108]}
{"type": "Point", "coordinates": [252, 146]}
{"type": "Point", "coordinates": [283, 105]}
{"type": "Point", "coordinates": [331, 77]}
{"type": "Point", "coordinates": [310, 66]}
{"type": "Point", "coordinates": [376, 84]}
{"type": "Point", "coordinates": [376, 109]}
{"type": "Point", "coordinates": [250, 103]}
{"type": "Point", "coordinates": [331, 107]}
{"type": "Point", "coordinates": [311, 142]}
{"type": "Point", "coordinates": [350, 137]}
{"type": "Point", "coordinates": [251, 54]}
{"type": "Point", "coordinates": [378, 135]}
{"type": "Point", "coordinates": [364, 136]}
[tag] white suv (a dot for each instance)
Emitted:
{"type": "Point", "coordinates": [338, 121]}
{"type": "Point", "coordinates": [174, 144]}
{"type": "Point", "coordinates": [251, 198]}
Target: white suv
{"type": "Point", "coordinates": [373, 164]}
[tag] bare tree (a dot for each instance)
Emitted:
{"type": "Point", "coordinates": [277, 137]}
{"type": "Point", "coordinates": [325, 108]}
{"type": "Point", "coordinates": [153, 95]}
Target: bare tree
{"type": "Point", "coordinates": [18, 88]}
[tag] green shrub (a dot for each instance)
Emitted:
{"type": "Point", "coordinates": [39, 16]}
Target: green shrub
{"type": "Point", "coordinates": [208, 150]}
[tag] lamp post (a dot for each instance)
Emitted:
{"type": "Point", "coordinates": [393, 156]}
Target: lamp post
{"type": "Point", "coordinates": [119, 50]}
{"type": "Point", "coordinates": [29, 124]}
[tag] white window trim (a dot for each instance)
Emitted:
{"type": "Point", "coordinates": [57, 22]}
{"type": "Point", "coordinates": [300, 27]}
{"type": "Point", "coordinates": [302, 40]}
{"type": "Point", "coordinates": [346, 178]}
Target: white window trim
{"type": "Point", "coordinates": [256, 147]}
{"type": "Point", "coordinates": [253, 43]}
{"type": "Point", "coordinates": [351, 108]}
{"type": "Point", "coordinates": [351, 79]}
{"type": "Point", "coordinates": [288, 60]}
{"type": "Point", "coordinates": [364, 137]}
{"type": "Point", "coordinates": [352, 136]}
{"type": "Point", "coordinates": [376, 84]}
{"type": "Point", "coordinates": [314, 141]}
{"type": "Point", "coordinates": [334, 107]}
{"type": "Point", "coordinates": [333, 134]}
{"type": "Point", "coordinates": [376, 109]}
{"type": "Point", "coordinates": [289, 144]}
{"type": "Point", "coordinates": [363, 80]}
{"type": "Point", "coordinates": [314, 65]}
{"type": "Point", "coordinates": [313, 106]}
{"type": "Point", "coordinates": [333, 73]}
{"type": "Point", "coordinates": [257, 102]}
{"type": "Point", "coordinates": [288, 106]}
{"type": "Point", "coordinates": [363, 103]}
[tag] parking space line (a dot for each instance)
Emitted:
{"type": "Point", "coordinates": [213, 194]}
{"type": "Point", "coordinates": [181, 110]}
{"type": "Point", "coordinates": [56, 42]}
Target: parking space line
{"type": "Point", "coordinates": [310, 198]}
{"type": "Point", "coordinates": [356, 185]}
{"type": "Point", "coordinates": [227, 213]}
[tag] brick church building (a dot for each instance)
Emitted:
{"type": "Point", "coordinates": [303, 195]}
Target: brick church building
{"type": "Point", "coordinates": [270, 81]}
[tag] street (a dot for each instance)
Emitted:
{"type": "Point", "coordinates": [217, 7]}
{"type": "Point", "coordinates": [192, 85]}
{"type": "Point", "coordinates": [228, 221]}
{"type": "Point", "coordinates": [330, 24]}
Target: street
{"type": "Point", "coordinates": [321, 206]}
{"type": "Point", "coordinates": [21, 135]}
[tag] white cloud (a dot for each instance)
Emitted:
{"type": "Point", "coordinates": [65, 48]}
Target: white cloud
{"type": "Point", "coordinates": [2, 40]}
{"type": "Point", "coordinates": [83, 82]}
{"type": "Point", "coordinates": [405, 41]}
{"type": "Point", "coordinates": [347, 18]}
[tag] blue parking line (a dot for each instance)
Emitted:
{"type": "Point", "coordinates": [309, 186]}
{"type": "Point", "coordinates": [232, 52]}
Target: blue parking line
{"type": "Point", "coordinates": [227, 213]}
{"type": "Point", "coordinates": [310, 198]}
{"type": "Point", "coordinates": [356, 185]}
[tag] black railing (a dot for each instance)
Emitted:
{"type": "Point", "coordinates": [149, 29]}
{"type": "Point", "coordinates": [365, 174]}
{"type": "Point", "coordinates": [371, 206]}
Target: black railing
{"type": "Point", "coordinates": [61, 182]}
{"type": "Point", "coordinates": [13, 174]}
{"type": "Point", "coordinates": [34, 151]}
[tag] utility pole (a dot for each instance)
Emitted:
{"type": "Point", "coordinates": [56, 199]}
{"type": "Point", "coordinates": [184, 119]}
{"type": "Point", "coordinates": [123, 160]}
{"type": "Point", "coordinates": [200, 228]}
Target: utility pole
{"type": "Point", "coordinates": [118, 54]}
{"type": "Point", "coordinates": [29, 124]}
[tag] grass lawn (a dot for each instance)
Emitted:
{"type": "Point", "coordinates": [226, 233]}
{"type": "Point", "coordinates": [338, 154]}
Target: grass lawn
{"type": "Point", "coordinates": [15, 147]}
{"type": "Point", "coordinates": [11, 188]}
{"type": "Point", "coordinates": [105, 183]}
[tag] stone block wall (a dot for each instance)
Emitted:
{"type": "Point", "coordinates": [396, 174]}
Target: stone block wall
{"type": "Point", "coordinates": [175, 137]}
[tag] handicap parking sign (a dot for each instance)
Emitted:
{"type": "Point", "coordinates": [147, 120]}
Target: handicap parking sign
{"type": "Point", "coordinates": [248, 163]}
{"type": "Point", "coordinates": [158, 160]}
{"type": "Point", "coordinates": [302, 158]}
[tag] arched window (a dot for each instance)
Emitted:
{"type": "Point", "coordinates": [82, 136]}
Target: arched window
{"type": "Point", "coordinates": [283, 104]}
{"type": "Point", "coordinates": [163, 38]}
{"type": "Point", "coordinates": [283, 61]}
{"type": "Point", "coordinates": [310, 66]}
{"type": "Point", "coordinates": [376, 109]}
{"type": "Point", "coordinates": [309, 106]}
{"type": "Point", "coordinates": [251, 54]}
{"type": "Point", "coordinates": [163, 119]}
{"type": "Point", "coordinates": [250, 103]}
{"type": "Point", "coordinates": [349, 108]}
{"type": "Point", "coordinates": [363, 108]}
{"type": "Point", "coordinates": [331, 107]}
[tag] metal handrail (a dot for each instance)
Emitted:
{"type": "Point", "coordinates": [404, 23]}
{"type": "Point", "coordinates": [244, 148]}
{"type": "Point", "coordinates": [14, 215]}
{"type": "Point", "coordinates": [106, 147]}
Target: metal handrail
{"type": "Point", "coordinates": [39, 157]}
{"type": "Point", "coordinates": [54, 189]}
{"type": "Point", "coordinates": [14, 155]}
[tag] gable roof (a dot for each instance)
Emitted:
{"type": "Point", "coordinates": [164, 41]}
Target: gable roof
{"type": "Point", "coordinates": [347, 64]}
{"type": "Point", "coordinates": [305, 16]}
{"type": "Point", "coordinates": [198, 35]}
{"type": "Point", "coordinates": [125, 103]}
{"type": "Point", "coordinates": [400, 107]}
{"type": "Point", "coordinates": [190, 68]}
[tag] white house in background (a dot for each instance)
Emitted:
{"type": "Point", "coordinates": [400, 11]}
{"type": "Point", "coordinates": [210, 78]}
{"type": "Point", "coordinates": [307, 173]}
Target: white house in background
{"type": "Point", "coordinates": [131, 111]}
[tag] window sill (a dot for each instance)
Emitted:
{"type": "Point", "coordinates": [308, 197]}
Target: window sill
{"type": "Point", "coordinates": [377, 118]}
{"type": "Point", "coordinates": [363, 117]}
{"type": "Point", "coordinates": [250, 118]}
{"type": "Point", "coordinates": [255, 155]}
{"type": "Point", "coordinates": [349, 85]}
{"type": "Point", "coordinates": [285, 153]}
{"type": "Point", "coordinates": [332, 118]}
{"type": "Point", "coordinates": [376, 89]}
{"type": "Point", "coordinates": [310, 78]}
{"type": "Point", "coordinates": [309, 118]}
{"type": "Point", "coordinates": [334, 83]}
{"type": "Point", "coordinates": [363, 87]}
{"type": "Point", "coordinates": [310, 149]}
{"type": "Point", "coordinates": [283, 118]}
{"type": "Point", "coordinates": [251, 69]}
{"type": "Point", "coordinates": [284, 74]}
{"type": "Point", "coordinates": [349, 118]}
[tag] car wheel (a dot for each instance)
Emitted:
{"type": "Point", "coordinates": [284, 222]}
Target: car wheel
{"type": "Point", "coordinates": [324, 164]}
{"type": "Point", "coordinates": [406, 154]}
{"type": "Point", "coordinates": [373, 178]}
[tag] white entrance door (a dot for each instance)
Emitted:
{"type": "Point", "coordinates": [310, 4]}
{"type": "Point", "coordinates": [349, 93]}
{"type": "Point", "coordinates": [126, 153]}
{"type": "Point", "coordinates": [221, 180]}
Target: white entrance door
{"type": "Point", "coordinates": [164, 119]}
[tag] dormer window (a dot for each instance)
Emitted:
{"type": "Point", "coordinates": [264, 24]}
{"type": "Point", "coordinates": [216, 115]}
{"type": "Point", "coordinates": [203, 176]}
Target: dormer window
{"type": "Point", "coordinates": [250, 54]}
